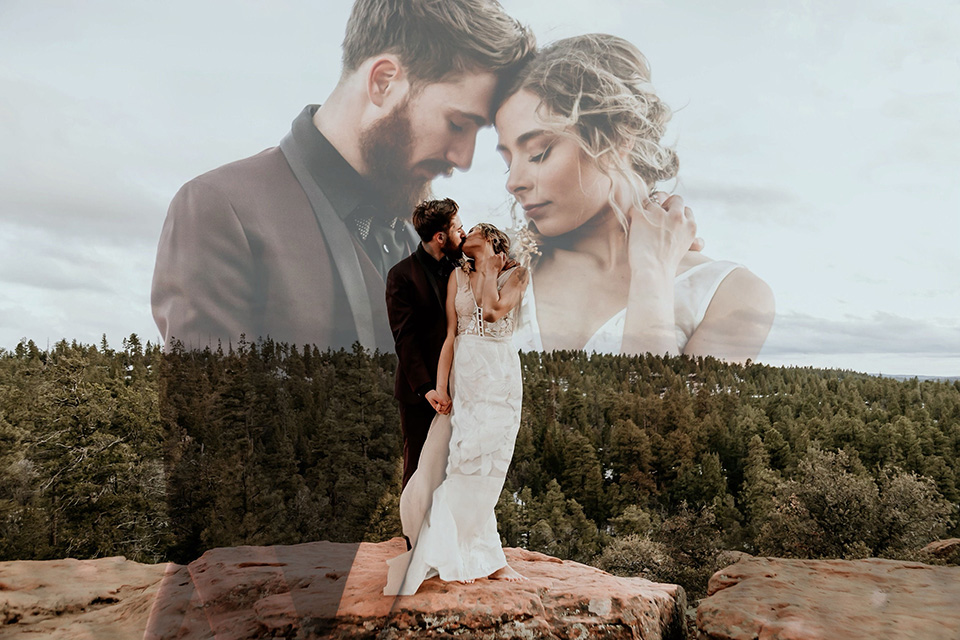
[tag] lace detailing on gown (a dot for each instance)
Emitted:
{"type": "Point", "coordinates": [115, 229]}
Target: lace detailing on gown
{"type": "Point", "coordinates": [469, 318]}
{"type": "Point", "coordinates": [447, 507]}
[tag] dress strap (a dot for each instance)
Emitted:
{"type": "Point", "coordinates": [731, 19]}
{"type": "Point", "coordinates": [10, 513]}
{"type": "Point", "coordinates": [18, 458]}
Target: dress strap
{"type": "Point", "coordinates": [461, 277]}
{"type": "Point", "coordinates": [503, 277]}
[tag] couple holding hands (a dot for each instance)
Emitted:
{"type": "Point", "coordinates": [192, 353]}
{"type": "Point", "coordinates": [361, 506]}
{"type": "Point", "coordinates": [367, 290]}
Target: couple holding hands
{"type": "Point", "coordinates": [617, 268]}
{"type": "Point", "coordinates": [300, 242]}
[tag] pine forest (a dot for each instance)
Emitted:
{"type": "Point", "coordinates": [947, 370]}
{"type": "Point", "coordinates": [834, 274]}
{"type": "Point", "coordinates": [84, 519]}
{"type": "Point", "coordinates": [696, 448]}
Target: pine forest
{"type": "Point", "coordinates": [647, 466]}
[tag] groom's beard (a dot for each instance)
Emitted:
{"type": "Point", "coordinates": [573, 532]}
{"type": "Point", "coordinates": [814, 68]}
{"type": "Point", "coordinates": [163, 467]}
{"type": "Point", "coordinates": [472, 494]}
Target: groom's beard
{"type": "Point", "coordinates": [385, 149]}
{"type": "Point", "coordinates": [454, 251]}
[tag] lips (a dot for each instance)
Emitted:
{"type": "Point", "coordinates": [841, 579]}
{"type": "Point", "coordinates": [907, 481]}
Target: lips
{"type": "Point", "coordinates": [430, 170]}
{"type": "Point", "coordinates": [532, 210]}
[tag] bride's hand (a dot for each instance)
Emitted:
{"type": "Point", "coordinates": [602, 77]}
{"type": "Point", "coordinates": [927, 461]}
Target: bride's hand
{"type": "Point", "coordinates": [492, 265]}
{"type": "Point", "coordinates": [446, 403]}
{"type": "Point", "coordinates": [660, 235]}
{"type": "Point", "coordinates": [439, 400]}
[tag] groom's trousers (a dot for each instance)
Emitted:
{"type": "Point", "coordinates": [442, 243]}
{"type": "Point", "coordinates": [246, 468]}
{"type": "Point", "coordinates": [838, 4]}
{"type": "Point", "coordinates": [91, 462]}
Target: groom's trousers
{"type": "Point", "coordinates": [415, 421]}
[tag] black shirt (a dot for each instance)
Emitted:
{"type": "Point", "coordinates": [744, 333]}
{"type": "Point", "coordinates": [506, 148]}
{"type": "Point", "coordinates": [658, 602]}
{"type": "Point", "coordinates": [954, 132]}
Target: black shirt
{"type": "Point", "coordinates": [380, 230]}
{"type": "Point", "coordinates": [438, 273]}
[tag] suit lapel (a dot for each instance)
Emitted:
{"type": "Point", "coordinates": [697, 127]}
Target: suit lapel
{"type": "Point", "coordinates": [340, 243]}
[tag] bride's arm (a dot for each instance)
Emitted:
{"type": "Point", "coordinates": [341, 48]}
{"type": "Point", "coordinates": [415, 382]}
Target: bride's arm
{"type": "Point", "coordinates": [659, 237]}
{"type": "Point", "coordinates": [446, 353]}
{"type": "Point", "coordinates": [497, 303]}
{"type": "Point", "coordinates": [737, 321]}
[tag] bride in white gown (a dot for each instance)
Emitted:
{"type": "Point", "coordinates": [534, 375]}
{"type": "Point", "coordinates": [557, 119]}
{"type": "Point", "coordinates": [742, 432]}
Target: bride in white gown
{"type": "Point", "coordinates": [447, 507]}
{"type": "Point", "coordinates": [581, 130]}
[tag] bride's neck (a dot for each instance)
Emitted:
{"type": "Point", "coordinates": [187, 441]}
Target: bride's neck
{"type": "Point", "coordinates": [601, 238]}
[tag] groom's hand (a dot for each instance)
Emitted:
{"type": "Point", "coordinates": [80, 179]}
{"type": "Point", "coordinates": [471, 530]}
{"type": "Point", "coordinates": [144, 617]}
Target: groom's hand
{"type": "Point", "coordinates": [434, 399]}
{"type": "Point", "coordinates": [439, 403]}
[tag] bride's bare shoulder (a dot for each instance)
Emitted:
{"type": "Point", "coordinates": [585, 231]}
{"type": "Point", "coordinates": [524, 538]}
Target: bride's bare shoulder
{"type": "Point", "coordinates": [692, 259]}
{"type": "Point", "coordinates": [517, 276]}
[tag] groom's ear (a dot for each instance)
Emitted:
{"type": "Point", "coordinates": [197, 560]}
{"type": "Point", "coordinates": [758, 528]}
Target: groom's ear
{"type": "Point", "coordinates": [387, 81]}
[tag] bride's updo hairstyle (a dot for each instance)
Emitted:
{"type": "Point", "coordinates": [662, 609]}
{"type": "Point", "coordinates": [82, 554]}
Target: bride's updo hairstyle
{"type": "Point", "coordinates": [595, 89]}
{"type": "Point", "coordinates": [498, 239]}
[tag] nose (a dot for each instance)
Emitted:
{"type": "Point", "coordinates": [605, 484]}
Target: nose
{"type": "Point", "coordinates": [460, 153]}
{"type": "Point", "coordinates": [517, 181]}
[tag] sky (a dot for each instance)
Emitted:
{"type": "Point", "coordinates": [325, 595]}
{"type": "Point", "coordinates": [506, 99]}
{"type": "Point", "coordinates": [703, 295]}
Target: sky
{"type": "Point", "coordinates": [819, 145]}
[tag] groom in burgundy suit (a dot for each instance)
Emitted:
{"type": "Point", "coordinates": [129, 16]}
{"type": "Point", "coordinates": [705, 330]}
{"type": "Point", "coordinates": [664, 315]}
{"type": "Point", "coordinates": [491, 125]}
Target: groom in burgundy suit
{"type": "Point", "coordinates": [416, 306]}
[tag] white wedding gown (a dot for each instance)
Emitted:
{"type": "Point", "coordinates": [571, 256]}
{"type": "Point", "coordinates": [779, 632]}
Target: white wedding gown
{"type": "Point", "coordinates": [447, 507]}
{"type": "Point", "coordinates": [693, 290]}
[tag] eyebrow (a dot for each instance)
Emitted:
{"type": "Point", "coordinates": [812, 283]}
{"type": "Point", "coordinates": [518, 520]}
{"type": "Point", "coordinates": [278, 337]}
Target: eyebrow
{"type": "Point", "coordinates": [523, 138]}
{"type": "Point", "coordinates": [479, 120]}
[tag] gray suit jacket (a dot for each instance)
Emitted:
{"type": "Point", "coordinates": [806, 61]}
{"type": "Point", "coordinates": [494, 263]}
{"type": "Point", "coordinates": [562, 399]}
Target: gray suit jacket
{"type": "Point", "coordinates": [241, 252]}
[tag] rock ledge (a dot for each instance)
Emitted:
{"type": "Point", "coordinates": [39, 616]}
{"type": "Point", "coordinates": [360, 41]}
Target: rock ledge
{"type": "Point", "coordinates": [325, 590]}
{"type": "Point", "coordinates": [779, 599]}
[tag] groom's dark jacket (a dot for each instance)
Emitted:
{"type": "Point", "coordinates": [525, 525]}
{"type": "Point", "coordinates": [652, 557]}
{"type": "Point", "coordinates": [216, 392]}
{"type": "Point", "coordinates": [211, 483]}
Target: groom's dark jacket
{"type": "Point", "coordinates": [241, 252]}
{"type": "Point", "coordinates": [415, 298]}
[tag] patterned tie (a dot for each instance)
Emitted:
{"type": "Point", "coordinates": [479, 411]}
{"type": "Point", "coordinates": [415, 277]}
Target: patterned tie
{"type": "Point", "coordinates": [384, 241]}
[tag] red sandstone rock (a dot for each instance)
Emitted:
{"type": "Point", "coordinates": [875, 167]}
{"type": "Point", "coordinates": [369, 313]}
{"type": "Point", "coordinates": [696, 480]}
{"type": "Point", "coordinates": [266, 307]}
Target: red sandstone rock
{"type": "Point", "coordinates": [97, 599]}
{"type": "Point", "coordinates": [945, 549]}
{"type": "Point", "coordinates": [777, 599]}
{"type": "Point", "coordinates": [325, 590]}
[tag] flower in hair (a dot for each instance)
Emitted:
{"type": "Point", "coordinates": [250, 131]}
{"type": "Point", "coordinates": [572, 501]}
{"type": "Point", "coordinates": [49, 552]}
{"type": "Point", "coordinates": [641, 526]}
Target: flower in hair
{"type": "Point", "coordinates": [526, 247]}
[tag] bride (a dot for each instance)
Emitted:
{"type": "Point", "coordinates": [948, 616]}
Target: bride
{"type": "Point", "coordinates": [447, 507]}
{"type": "Point", "coordinates": [580, 130]}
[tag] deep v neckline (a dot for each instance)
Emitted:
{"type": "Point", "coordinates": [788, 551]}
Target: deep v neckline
{"type": "Point", "coordinates": [529, 298]}
{"type": "Point", "coordinates": [609, 337]}
{"type": "Point", "coordinates": [473, 294]}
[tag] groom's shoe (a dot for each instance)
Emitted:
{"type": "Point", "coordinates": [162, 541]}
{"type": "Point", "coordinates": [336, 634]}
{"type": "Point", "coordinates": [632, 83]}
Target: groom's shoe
{"type": "Point", "coordinates": [407, 540]}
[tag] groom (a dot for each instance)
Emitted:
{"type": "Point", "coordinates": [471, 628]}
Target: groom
{"type": "Point", "coordinates": [416, 302]}
{"type": "Point", "coordinates": [295, 242]}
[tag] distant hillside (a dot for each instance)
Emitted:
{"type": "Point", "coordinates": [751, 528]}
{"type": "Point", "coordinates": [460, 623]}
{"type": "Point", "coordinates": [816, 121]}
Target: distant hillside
{"type": "Point", "coordinates": [921, 378]}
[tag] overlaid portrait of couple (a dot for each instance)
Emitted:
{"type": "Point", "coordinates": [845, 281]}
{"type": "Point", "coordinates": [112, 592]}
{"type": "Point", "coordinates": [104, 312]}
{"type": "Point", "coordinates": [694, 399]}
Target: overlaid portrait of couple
{"type": "Point", "coordinates": [338, 236]}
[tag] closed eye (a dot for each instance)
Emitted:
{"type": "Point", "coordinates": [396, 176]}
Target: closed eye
{"type": "Point", "coordinates": [540, 157]}
{"type": "Point", "coordinates": [455, 128]}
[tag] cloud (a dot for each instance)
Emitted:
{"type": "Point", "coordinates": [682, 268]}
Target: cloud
{"type": "Point", "coordinates": [84, 316]}
{"type": "Point", "coordinates": [72, 174]}
{"type": "Point", "coordinates": [752, 196]}
{"type": "Point", "coordinates": [815, 139]}
{"type": "Point", "coordinates": [41, 259]}
{"type": "Point", "coordinates": [881, 333]}
{"type": "Point", "coordinates": [739, 194]}
{"type": "Point", "coordinates": [55, 277]}
{"type": "Point", "coordinates": [746, 204]}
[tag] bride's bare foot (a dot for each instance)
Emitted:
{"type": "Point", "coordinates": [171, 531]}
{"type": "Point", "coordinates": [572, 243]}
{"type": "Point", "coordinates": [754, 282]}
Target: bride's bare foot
{"type": "Point", "coordinates": [470, 581]}
{"type": "Point", "coordinates": [507, 573]}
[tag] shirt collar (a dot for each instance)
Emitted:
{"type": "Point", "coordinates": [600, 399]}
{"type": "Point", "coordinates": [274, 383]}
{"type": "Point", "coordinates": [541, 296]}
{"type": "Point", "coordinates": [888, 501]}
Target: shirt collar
{"type": "Point", "coordinates": [346, 189]}
{"type": "Point", "coordinates": [427, 258]}
{"type": "Point", "coordinates": [441, 267]}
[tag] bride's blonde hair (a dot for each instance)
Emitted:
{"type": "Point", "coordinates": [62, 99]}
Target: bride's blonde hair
{"type": "Point", "coordinates": [500, 242]}
{"type": "Point", "coordinates": [596, 90]}
{"type": "Point", "coordinates": [498, 239]}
